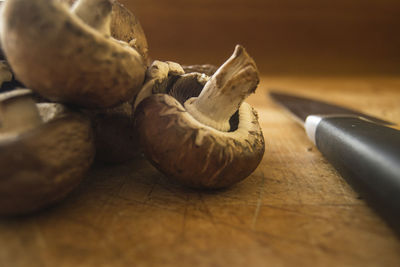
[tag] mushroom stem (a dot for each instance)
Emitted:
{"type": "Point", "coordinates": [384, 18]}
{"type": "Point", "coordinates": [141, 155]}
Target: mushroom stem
{"type": "Point", "coordinates": [95, 13]}
{"type": "Point", "coordinates": [223, 94]}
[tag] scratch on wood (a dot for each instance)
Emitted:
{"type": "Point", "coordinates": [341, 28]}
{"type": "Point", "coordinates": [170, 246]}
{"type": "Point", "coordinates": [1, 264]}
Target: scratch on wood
{"type": "Point", "coordinates": [148, 196]}
{"type": "Point", "coordinates": [269, 235]}
{"type": "Point", "coordinates": [259, 201]}
{"type": "Point", "coordinates": [117, 192]}
{"type": "Point", "coordinates": [183, 227]}
{"type": "Point", "coordinates": [206, 209]}
{"type": "Point", "coordinates": [169, 188]}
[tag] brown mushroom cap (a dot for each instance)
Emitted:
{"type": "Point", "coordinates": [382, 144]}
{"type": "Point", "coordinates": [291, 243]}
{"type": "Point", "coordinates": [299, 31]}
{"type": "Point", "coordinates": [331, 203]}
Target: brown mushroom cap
{"type": "Point", "coordinates": [58, 55]}
{"type": "Point", "coordinates": [193, 153]}
{"type": "Point", "coordinates": [41, 164]}
{"type": "Point", "coordinates": [126, 27]}
{"type": "Point", "coordinates": [198, 130]}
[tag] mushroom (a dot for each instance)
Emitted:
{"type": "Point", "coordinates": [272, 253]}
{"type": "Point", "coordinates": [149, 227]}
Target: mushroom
{"type": "Point", "coordinates": [159, 76]}
{"type": "Point", "coordinates": [115, 135]}
{"type": "Point", "coordinates": [124, 26]}
{"type": "Point", "coordinates": [67, 55]}
{"type": "Point", "coordinates": [209, 138]}
{"type": "Point", "coordinates": [44, 151]}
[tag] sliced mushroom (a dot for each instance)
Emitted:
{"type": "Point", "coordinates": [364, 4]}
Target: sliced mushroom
{"type": "Point", "coordinates": [44, 151]}
{"type": "Point", "coordinates": [54, 51]}
{"type": "Point", "coordinates": [212, 140]}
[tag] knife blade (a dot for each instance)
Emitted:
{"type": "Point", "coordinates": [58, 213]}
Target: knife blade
{"type": "Point", "coordinates": [364, 150]}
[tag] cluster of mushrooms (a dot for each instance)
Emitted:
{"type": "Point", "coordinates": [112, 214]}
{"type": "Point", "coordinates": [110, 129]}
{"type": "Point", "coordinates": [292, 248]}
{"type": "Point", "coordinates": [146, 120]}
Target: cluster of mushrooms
{"type": "Point", "coordinates": [93, 93]}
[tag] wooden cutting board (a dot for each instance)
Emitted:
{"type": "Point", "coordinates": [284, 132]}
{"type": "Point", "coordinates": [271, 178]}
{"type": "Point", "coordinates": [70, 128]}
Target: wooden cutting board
{"type": "Point", "coordinates": [294, 210]}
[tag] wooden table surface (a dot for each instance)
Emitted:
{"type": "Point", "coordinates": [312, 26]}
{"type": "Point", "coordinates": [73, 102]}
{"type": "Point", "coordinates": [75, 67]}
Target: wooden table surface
{"type": "Point", "coordinates": [294, 210]}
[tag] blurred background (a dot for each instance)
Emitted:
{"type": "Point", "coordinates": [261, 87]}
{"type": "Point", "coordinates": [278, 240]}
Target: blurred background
{"type": "Point", "coordinates": [341, 37]}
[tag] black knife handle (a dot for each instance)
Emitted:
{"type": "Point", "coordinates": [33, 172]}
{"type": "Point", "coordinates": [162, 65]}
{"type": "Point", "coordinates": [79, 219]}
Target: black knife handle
{"type": "Point", "coordinates": [367, 155]}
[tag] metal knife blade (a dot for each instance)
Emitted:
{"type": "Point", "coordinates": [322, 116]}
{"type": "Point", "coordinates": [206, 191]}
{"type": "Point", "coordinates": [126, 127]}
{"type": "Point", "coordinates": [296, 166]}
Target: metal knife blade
{"type": "Point", "coordinates": [363, 150]}
{"type": "Point", "coordinates": [302, 107]}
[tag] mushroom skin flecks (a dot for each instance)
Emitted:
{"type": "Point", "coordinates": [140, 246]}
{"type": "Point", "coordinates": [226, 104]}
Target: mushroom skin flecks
{"type": "Point", "coordinates": [43, 154]}
{"type": "Point", "coordinates": [125, 27]}
{"type": "Point", "coordinates": [192, 151]}
{"type": "Point", "coordinates": [57, 54]}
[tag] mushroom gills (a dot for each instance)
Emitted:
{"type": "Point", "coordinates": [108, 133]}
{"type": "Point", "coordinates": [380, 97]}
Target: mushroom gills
{"type": "Point", "coordinates": [160, 76]}
{"type": "Point", "coordinates": [187, 86]}
{"type": "Point", "coordinates": [190, 85]}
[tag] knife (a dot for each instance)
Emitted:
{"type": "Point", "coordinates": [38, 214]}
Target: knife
{"type": "Point", "coordinates": [364, 150]}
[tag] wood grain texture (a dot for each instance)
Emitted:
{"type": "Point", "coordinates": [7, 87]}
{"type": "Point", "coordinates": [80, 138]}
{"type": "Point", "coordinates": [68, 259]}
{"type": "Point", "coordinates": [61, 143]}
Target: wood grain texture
{"type": "Point", "coordinates": [344, 36]}
{"type": "Point", "coordinates": [294, 210]}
